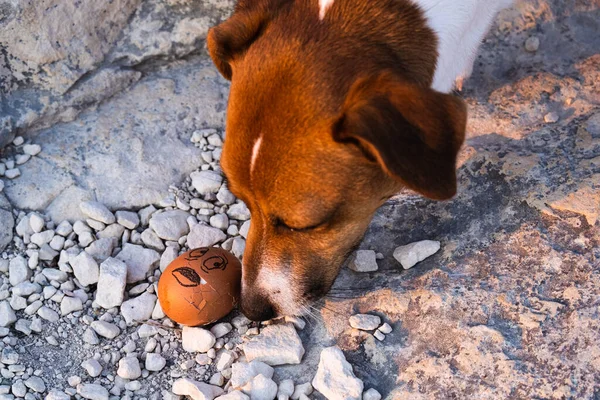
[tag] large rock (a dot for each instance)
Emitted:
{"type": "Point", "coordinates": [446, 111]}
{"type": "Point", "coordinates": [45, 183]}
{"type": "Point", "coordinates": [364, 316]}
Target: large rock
{"type": "Point", "coordinates": [335, 379]}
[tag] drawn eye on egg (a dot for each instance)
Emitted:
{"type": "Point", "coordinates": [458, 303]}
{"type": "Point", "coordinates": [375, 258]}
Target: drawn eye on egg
{"type": "Point", "coordinates": [187, 277]}
{"type": "Point", "coordinates": [214, 263]}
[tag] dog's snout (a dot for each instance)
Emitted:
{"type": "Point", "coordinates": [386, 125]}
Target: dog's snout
{"type": "Point", "coordinates": [257, 307]}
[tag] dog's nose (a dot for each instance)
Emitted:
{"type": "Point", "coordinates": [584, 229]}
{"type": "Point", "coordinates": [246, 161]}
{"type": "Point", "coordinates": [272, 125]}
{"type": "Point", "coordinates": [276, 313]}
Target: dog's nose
{"type": "Point", "coordinates": [257, 308]}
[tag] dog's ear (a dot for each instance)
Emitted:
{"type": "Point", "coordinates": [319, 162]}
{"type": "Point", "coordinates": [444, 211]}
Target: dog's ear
{"type": "Point", "coordinates": [233, 36]}
{"type": "Point", "coordinates": [414, 133]}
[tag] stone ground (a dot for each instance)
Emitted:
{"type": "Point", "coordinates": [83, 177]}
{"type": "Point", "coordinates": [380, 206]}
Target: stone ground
{"type": "Point", "coordinates": [509, 308]}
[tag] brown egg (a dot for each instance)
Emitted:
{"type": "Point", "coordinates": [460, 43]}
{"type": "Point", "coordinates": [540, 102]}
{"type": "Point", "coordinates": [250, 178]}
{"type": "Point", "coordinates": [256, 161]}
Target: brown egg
{"type": "Point", "coordinates": [200, 286]}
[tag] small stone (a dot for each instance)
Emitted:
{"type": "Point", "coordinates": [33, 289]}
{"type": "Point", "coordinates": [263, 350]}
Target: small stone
{"type": "Point", "coordinates": [242, 373]}
{"type": "Point", "coordinates": [90, 337]}
{"type": "Point", "coordinates": [105, 329]}
{"type": "Point", "coordinates": [197, 339]}
{"type": "Point", "coordinates": [55, 394]}
{"type": "Point", "coordinates": [155, 362]}
{"type": "Point", "coordinates": [85, 239]}
{"type": "Point", "coordinates": [238, 247]}
{"type": "Point", "coordinates": [260, 388]}
{"type": "Point", "coordinates": [97, 211]}
{"type": "Point", "coordinates": [57, 243]}
{"type": "Point", "coordinates": [12, 173]}
{"type": "Point", "coordinates": [151, 239]}
{"type": "Point", "coordinates": [85, 269]}
{"type": "Point", "coordinates": [379, 335]}
{"type": "Point", "coordinates": [239, 211]}
{"type": "Point", "coordinates": [219, 221]}
{"type": "Point", "coordinates": [371, 394]}
{"type": "Point", "coordinates": [217, 379]}
{"type": "Point", "coordinates": [286, 389]}
{"type": "Point", "coordinates": [245, 229]}
{"type": "Point", "coordinates": [128, 219]}
{"type": "Point", "coordinates": [206, 182]}
{"type": "Point", "coordinates": [102, 248]}
{"type": "Point", "coordinates": [385, 328]}
{"type": "Point", "coordinates": [170, 225]}
{"type": "Point", "coordinates": [42, 238]}
{"type": "Point", "coordinates": [304, 389]}
{"type": "Point", "coordinates": [335, 378]}
{"type": "Point", "coordinates": [365, 322]}
{"type": "Point", "coordinates": [7, 314]}
{"type": "Point", "coordinates": [204, 236]}
{"type": "Point", "coordinates": [221, 329]}
{"type": "Point", "coordinates": [413, 253]}
{"type": "Point", "coordinates": [225, 196]}
{"type": "Point", "coordinates": [129, 368]}
{"type": "Point", "coordinates": [73, 380]}
{"type": "Point", "coordinates": [23, 326]}
{"type": "Point", "coordinates": [225, 360]}
{"type": "Point", "coordinates": [146, 331]}
{"type": "Point", "coordinates": [111, 283]}
{"type": "Point", "coordinates": [95, 225]}
{"type": "Point", "coordinates": [70, 304]}
{"type": "Point", "coordinates": [92, 391]}
{"type": "Point", "coordinates": [113, 231]}
{"type": "Point", "coordinates": [158, 312]}
{"type": "Point", "coordinates": [18, 388]}
{"type": "Point", "coordinates": [9, 356]}
{"type": "Point", "coordinates": [18, 271]}
{"type": "Point", "coordinates": [139, 308]}
{"type": "Point", "coordinates": [64, 229]}
{"type": "Point", "coordinates": [36, 222]}
{"type": "Point", "coordinates": [47, 253]}
{"type": "Point", "coordinates": [363, 261]}
{"type": "Point", "coordinates": [551, 117]}
{"type": "Point", "coordinates": [139, 261]}
{"type": "Point", "coordinates": [167, 257]}
{"type": "Point", "coordinates": [92, 366]}
{"type": "Point", "coordinates": [145, 214]}
{"type": "Point", "coordinates": [19, 140]}
{"type": "Point", "coordinates": [48, 314]}
{"type": "Point", "coordinates": [53, 274]}
{"type": "Point", "coordinates": [276, 345]}
{"type": "Point", "coordinates": [234, 395]}
{"type": "Point", "coordinates": [196, 390]}
{"type": "Point", "coordinates": [532, 44]}
{"type": "Point", "coordinates": [18, 302]}
{"type": "Point", "coordinates": [240, 321]}
{"type": "Point", "coordinates": [22, 159]}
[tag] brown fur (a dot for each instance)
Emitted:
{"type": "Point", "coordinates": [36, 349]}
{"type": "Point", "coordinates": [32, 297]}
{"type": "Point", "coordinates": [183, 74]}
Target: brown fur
{"type": "Point", "coordinates": [346, 117]}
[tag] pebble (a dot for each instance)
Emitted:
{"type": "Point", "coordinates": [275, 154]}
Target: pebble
{"type": "Point", "coordinates": [92, 391]}
{"type": "Point", "coordinates": [9, 356]}
{"type": "Point", "coordinates": [55, 394]}
{"type": "Point", "coordinates": [102, 248]}
{"type": "Point", "coordinates": [19, 140]}
{"type": "Point", "coordinates": [128, 219]}
{"type": "Point", "coordinates": [206, 182]}
{"type": "Point", "coordinates": [139, 308]}
{"type": "Point", "coordinates": [85, 268]}
{"type": "Point", "coordinates": [365, 322]}
{"type": "Point", "coordinates": [18, 271]}
{"type": "Point", "coordinates": [155, 362]}
{"type": "Point", "coordinates": [225, 196]}
{"type": "Point", "coordinates": [36, 222]}
{"type": "Point", "coordinates": [335, 378]}
{"type": "Point", "coordinates": [89, 336]}
{"type": "Point", "coordinates": [48, 314]}
{"type": "Point", "coordinates": [551, 117]}
{"type": "Point", "coordinates": [363, 261]}
{"type": "Point", "coordinates": [217, 379]}
{"type": "Point", "coordinates": [196, 390]}
{"type": "Point", "coordinates": [22, 159]}
{"type": "Point", "coordinates": [260, 388]}
{"type": "Point", "coordinates": [379, 335]}
{"type": "Point", "coordinates": [19, 389]}
{"type": "Point", "coordinates": [224, 360]}
{"type": "Point", "coordinates": [197, 339]}
{"type": "Point", "coordinates": [32, 149]}
{"type": "Point", "coordinates": [111, 283]}
{"type": "Point", "coordinates": [240, 321]}
{"type": "Point", "coordinates": [238, 247]}
{"type": "Point", "coordinates": [286, 389]}
{"type": "Point", "coordinates": [97, 211]}
{"type": "Point", "coordinates": [7, 314]}
{"type": "Point", "coordinates": [113, 231]}
{"type": "Point", "coordinates": [12, 173]}
{"type": "Point", "coordinates": [64, 229]}
{"type": "Point", "coordinates": [106, 329]}
{"type": "Point", "coordinates": [1, 185]}
{"type": "Point", "coordinates": [167, 257]}
{"type": "Point", "coordinates": [129, 368]}
{"type": "Point", "coordinates": [239, 211]}
{"type": "Point", "coordinates": [70, 304]}
{"type": "Point", "coordinates": [23, 326]}
{"type": "Point", "coordinates": [170, 225]}
{"type": "Point", "coordinates": [244, 372]}
{"type": "Point", "coordinates": [371, 394]}
{"type": "Point", "coordinates": [385, 328]}
{"type": "Point", "coordinates": [204, 236]}
{"type": "Point", "coordinates": [146, 331]}
{"type": "Point", "coordinates": [92, 366]}
{"type": "Point", "coordinates": [221, 329]}
{"type": "Point", "coordinates": [532, 44]}
{"type": "Point", "coordinates": [47, 253]}
{"type": "Point", "coordinates": [276, 345]}
{"type": "Point", "coordinates": [139, 261]}
{"type": "Point", "coordinates": [219, 221]}
{"type": "Point", "coordinates": [304, 389]}
{"type": "Point", "coordinates": [413, 253]}
{"type": "Point", "coordinates": [234, 395]}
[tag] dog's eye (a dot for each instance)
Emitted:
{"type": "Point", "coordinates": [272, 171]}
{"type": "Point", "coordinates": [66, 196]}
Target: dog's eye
{"type": "Point", "coordinates": [279, 223]}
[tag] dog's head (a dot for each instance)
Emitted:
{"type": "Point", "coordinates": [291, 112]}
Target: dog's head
{"type": "Point", "coordinates": [324, 124]}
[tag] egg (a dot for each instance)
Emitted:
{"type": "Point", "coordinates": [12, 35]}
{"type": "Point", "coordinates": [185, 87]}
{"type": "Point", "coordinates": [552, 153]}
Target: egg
{"type": "Point", "coordinates": [200, 286]}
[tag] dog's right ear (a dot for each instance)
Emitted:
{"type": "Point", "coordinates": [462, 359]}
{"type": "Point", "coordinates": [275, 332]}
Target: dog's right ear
{"type": "Point", "coordinates": [232, 37]}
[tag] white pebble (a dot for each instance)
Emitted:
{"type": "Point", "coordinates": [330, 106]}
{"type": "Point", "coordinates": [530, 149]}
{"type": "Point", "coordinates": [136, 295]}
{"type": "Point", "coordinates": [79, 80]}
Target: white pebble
{"type": "Point", "coordinates": [411, 254]}
{"type": "Point", "coordinates": [371, 394]}
{"type": "Point", "coordinates": [155, 362]}
{"type": "Point", "coordinates": [92, 366]}
{"type": "Point", "coordinates": [129, 368]}
{"type": "Point", "coordinates": [32, 149]}
{"type": "Point", "coordinates": [197, 339]}
{"type": "Point", "coordinates": [365, 322]}
{"type": "Point", "coordinates": [97, 211]}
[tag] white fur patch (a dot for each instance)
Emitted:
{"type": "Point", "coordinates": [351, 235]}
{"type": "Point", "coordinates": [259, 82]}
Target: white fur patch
{"type": "Point", "coordinates": [460, 26]}
{"type": "Point", "coordinates": [324, 5]}
{"type": "Point", "coordinates": [279, 289]}
{"type": "Point", "coordinates": [255, 151]}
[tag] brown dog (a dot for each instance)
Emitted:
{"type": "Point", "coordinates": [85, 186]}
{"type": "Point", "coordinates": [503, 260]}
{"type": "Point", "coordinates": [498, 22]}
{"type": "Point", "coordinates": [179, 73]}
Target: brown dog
{"type": "Point", "coordinates": [332, 110]}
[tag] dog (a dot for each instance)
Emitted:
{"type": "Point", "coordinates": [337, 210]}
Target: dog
{"type": "Point", "coordinates": [334, 107]}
